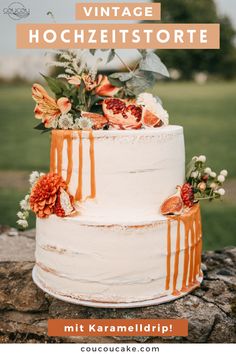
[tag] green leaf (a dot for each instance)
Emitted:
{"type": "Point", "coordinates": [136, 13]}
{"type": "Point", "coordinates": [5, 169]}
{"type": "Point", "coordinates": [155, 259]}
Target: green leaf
{"type": "Point", "coordinates": [153, 63]}
{"type": "Point", "coordinates": [122, 76]}
{"type": "Point", "coordinates": [40, 126]}
{"type": "Point", "coordinates": [115, 82]}
{"type": "Point", "coordinates": [111, 55]}
{"type": "Point", "coordinates": [46, 130]}
{"type": "Point", "coordinates": [140, 82]}
{"type": "Point", "coordinates": [92, 51]}
{"type": "Point", "coordinates": [53, 84]}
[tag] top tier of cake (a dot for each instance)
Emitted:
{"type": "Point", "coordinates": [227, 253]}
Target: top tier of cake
{"type": "Point", "coordinates": [120, 176]}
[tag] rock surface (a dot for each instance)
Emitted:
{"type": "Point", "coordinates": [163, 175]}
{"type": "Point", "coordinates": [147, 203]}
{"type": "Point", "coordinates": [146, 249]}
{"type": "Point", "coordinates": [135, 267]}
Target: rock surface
{"type": "Point", "coordinates": [25, 309]}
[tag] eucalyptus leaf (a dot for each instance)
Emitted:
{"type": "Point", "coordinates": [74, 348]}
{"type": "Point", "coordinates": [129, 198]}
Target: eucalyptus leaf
{"type": "Point", "coordinates": [122, 76]}
{"type": "Point", "coordinates": [111, 55]}
{"type": "Point", "coordinates": [116, 82]}
{"type": "Point", "coordinates": [140, 82]}
{"type": "Point", "coordinates": [153, 63]}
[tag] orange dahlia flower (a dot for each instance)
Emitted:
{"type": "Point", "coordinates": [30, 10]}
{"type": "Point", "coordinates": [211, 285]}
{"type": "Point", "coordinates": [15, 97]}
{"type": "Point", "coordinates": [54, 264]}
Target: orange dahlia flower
{"type": "Point", "coordinates": [44, 194]}
{"type": "Point", "coordinates": [47, 108]}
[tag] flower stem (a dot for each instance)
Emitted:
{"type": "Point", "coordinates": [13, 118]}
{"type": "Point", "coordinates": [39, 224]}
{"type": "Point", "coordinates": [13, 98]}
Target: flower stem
{"type": "Point", "coordinates": [122, 61]}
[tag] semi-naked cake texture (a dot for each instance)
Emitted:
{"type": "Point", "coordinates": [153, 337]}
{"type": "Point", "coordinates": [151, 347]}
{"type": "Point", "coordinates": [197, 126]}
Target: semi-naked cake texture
{"type": "Point", "coordinates": [118, 250]}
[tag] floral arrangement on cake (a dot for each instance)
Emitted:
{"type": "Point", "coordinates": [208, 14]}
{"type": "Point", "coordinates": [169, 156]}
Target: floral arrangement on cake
{"type": "Point", "coordinates": [201, 184]}
{"type": "Point", "coordinates": [86, 99]}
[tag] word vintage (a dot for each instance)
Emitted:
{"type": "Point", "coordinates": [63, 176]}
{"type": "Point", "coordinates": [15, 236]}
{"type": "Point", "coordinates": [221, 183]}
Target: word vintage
{"type": "Point", "coordinates": [118, 11]}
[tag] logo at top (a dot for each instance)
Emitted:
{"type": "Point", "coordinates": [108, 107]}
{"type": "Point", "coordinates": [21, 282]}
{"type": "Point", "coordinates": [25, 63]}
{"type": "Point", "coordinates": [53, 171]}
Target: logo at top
{"type": "Point", "coordinates": [16, 11]}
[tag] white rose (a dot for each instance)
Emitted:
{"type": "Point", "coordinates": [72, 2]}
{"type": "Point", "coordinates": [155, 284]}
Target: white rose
{"type": "Point", "coordinates": [202, 158]}
{"type": "Point", "coordinates": [213, 174]}
{"type": "Point", "coordinates": [207, 170]}
{"type": "Point", "coordinates": [224, 173]}
{"type": "Point", "coordinates": [221, 191]}
{"type": "Point", "coordinates": [221, 178]}
{"type": "Point", "coordinates": [22, 223]}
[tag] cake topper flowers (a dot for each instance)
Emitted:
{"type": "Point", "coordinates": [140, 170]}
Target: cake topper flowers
{"type": "Point", "coordinates": [202, 183]}
{"type": "Point", "coordinates": [82, 92]}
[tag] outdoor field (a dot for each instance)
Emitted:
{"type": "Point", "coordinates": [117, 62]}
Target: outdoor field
{"type": "Point", "coordinates": [207, 113]}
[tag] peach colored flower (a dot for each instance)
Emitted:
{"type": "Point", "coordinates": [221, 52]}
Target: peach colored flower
{"type": "Point", "coordinates": [105, 88]}
{"type": "Point", "coordinates": [47, 108]}
{"type": "Point", "coordinates": [90, 84]}
{"type": "Point", "coordinates": [44, 194]}
{"type": "Point", "coordinates": [75, 80]}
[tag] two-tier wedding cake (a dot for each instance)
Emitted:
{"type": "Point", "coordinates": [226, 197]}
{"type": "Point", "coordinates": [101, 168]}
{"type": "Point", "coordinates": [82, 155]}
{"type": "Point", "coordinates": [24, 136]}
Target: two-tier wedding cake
{"type": "Point", "coordinates": [118, 217]}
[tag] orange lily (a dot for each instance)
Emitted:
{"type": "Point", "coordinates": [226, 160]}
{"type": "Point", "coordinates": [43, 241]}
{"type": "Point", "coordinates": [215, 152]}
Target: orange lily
{"type": "Point", "coordinates": [47, 108]}
{"type": "Point", "coordinates": [105, 88]}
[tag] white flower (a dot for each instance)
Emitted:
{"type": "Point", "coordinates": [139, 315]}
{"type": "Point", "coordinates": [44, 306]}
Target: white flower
{"type": "Point", "coordinates": [221, 178]}
{"type": "Point", "coordinates": [66, 121]}
{"type": "Point", "coordinates": [149, 102]}
{"type": "Point", "coordinates": [194, 174]}
{"type": "Point", "coordinates": [22, 223]}
{"type": "Point", "coordinates": [194, 158]}
{"type": "Point", "coordinates": [224, 173]}
{"type": "Point", "coordinates": [207, 170]}
{"type": "Point", "coordinates": [53, 124]}
{"type": "Point", "coordinates": [33, 177]}
{"type": "Point", "coordinates": [202, 158]}
{"type": "Point", "coordinates": [84, 123]}
{"type": "Point", "coordinates": [145, 99]}
{"type": "Point", "coordinates": [221, 191]}
{"type": "Point", "coordinates": [213, 185]}
{"type": "Point", "coordinates": [213, 174]}
{"type": "Point", "coordinates": [20, 215]}
{"type": "Point", "coordinates": [24, 204]}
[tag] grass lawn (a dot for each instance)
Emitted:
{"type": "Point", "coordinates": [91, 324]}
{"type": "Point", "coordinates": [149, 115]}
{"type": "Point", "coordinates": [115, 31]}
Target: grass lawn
{"type": "Point", "coordinates": [206, 112]}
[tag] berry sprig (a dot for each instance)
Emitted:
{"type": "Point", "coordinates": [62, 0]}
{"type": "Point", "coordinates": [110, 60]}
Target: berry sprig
{"type": "Point", "coordinates": [205, 183]}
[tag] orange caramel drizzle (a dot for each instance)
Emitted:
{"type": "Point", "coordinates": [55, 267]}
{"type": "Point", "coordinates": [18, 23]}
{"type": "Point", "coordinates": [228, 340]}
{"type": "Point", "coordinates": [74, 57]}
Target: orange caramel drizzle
{"type": "Point", "coordinates": [79, 190]}
{"type": "Point", "coordinates": [57, 142]}
{"type": "Point", "coordinates": [92, 166]}
{"type": "Point", "coordinates": [168, 258]}
{"type": "Point", "coordinates": [192, 250]}
{"type": "Point", "coordinates": [69, 157]}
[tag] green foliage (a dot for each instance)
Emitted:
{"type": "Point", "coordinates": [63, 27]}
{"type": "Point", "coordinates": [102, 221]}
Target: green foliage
{"type": "Point", "coordinates": [217, 62]}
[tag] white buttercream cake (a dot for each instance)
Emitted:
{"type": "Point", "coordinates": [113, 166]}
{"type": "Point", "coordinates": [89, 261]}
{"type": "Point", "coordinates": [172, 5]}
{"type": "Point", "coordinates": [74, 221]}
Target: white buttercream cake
{"type": "Point", "coordinates": [117, 250]}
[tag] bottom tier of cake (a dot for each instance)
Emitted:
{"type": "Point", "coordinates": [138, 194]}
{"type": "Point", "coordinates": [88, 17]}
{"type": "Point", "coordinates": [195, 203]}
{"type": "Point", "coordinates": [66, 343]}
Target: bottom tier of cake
{"type": "Point", "coordinates": [117, 265]}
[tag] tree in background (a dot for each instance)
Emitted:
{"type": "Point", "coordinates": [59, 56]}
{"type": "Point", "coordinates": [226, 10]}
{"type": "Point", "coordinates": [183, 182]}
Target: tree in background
{"type": "Point", "coordinates": [216, 62]}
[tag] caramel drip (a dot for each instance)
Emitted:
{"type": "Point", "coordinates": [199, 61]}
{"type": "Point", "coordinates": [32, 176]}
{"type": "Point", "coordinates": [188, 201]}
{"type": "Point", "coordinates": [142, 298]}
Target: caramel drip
{"type": "Point", "coordinates": [192, 250]}
{"type": "Point", "coordinates": [186, 255]}
{"type": "Point", "coordinates": [59, 147]}
{"type": "Point", "coordinates": [176, 264]}
{"type": "Point", "coordinates": [79, 191]}
{"type": "Point", "coordinates": [168, 255]}
{"type": "Point", "coordinates": [69, 157]}
{"type": "Point", "coordinates": [92, 166]}
{"type": "Point", "coordinates": [53, 152]}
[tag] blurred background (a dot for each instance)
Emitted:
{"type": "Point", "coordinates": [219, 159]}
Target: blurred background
{"type": "Point", "coordinates": [201, 96]}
